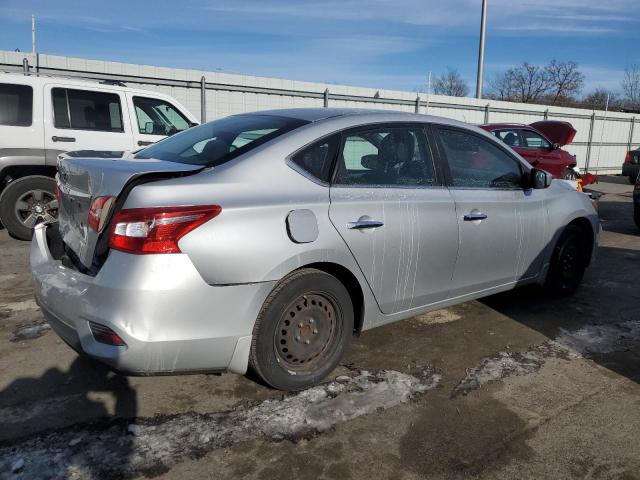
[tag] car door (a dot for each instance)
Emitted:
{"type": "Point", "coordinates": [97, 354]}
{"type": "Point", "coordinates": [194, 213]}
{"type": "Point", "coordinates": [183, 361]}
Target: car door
{"type": "Point", "coordinates": [546, 157]}
{"type": "Point", "coordinates": [154, 119]}
{"type": "Point", "coordinates": [85, 119]}
{"type": "Point", "coordinates": [397, 219]}
{"type": "Point", "coordinates": [483, 180]}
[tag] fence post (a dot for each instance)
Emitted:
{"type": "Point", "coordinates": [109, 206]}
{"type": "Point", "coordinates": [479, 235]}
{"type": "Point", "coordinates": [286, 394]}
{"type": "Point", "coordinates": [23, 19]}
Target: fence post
{"type": "Point", "coordinates": [326, 98]}
{"type": "Point", "coordinates": [590, 141]}
{"type": "Point", "coordinates": [631, 126]}
{"type": "Point", "coordinates": [487, 110]}
{"type": "Point", "coordinates": [203, 100]}
{"type": "Point", "coordinates": [418, 104]}
{"type": "Point", "coordinates": [25, 65]}
{"type": "Point", "coordinates": [546, 114]}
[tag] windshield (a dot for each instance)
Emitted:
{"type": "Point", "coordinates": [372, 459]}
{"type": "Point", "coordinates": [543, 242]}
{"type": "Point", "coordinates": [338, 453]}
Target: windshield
{"type": "Point", "coordinates": [219, 141]}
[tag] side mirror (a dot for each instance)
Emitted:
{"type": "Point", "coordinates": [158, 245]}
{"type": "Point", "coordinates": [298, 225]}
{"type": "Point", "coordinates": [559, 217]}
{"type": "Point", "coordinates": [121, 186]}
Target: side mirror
{"type": "Point", "coordinates": [148, 127]}
{"type": "Point", "coordinates": [539, 178]}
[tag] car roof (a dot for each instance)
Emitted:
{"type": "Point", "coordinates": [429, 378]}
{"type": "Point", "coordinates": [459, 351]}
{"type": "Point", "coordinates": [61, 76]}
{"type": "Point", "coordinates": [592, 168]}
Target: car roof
{"type": "Point", "coordinates": [505, 125]}
{"type": "Point", "coordinates": [357, 116]}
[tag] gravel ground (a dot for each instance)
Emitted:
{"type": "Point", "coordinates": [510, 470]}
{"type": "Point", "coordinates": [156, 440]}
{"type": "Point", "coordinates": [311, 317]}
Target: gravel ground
{"type": "Point", "coordinates": [516, 386]}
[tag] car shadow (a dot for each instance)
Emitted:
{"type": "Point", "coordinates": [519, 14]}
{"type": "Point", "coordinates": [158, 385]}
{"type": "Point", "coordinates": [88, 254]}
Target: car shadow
{"type": "Point", "coordinates": [608, 297]}
{"type": "Point", "coordinates": [86, 397]}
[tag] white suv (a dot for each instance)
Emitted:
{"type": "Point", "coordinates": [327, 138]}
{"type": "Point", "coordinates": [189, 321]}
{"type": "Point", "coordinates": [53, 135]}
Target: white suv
{"type": "Point", "coordinates": [42, 117]}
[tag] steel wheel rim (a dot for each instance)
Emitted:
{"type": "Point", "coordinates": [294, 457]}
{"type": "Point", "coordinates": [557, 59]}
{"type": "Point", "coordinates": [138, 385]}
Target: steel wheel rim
{"type": "Point", "coordinates": [36, 206]}
{"type": "Point", "coordinates": [568, 261]}
{"type": "Point", "coordinates": [305, 332]}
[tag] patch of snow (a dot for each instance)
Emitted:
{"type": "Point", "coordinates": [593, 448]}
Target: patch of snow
{"type": "Point", "coordinates": [161, 442]}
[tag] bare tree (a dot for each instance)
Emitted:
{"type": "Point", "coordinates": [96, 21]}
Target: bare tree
{"type": "Point", "coordinates": [525, 83]}
{"type": "Point", "coordinates": [631, 85]}
{"type": "Point", "coordinates": [451, 83]}
{"type": "Point", "coordinates": [597, 100]}
{"type": "Point", "coordinates": [565, 81]}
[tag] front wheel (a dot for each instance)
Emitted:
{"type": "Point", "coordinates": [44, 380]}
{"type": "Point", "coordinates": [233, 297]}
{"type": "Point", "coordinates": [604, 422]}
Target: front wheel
{"type": "Point", "coordinates": [302, 330]}
{"type": "Point", "coordinates": [568, 262]}
{"type": "Point", "coordinates": [27, 201]}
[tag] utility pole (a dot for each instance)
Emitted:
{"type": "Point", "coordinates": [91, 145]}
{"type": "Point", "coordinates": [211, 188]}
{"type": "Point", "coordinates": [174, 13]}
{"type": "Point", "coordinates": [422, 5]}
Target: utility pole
{"type": "Point", "coordinates": [33, 34]}
{"type": "Point", "coordinates": [483, 28]}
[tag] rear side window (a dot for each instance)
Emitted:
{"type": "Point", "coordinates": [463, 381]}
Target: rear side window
{"type": "Point", "coordinates": [475, 162]}
{"type": "Point", "coordinates": [534, 140]}
{"type": "Point", "coordinates": [86, 110]}
{"type": "Point", "coordinates": [16, 105]}
{"type": "Point", "coordinates": [316, 159]}
{"type": "Point", "coordinates": [217, 142]}
{"type": "Point", "coordinates": [157, 117]}
{"type": "Point", "coordinates": [385, 156]}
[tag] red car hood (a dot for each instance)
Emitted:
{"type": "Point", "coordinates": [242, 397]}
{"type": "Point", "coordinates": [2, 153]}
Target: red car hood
{"type": "Point", "coordinates": [558, 132]}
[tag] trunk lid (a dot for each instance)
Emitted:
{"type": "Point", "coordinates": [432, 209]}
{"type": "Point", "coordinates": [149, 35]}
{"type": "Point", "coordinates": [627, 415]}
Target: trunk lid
{"type": "Point", "coordinates": [558, 132]}
{"type": "Point", "coordinates": [82, 180]}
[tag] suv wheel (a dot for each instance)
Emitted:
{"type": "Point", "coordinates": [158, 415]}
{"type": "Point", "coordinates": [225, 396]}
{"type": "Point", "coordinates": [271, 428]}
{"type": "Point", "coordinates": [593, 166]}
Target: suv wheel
{"type": "Point", "coordinates": [632, 179]}
{"type": "Point", "coordinates": [27, 201]}
{"type": "Point", "coordinates": [302, 330]}
{"type": "Point", "coordinates": [636, 215]}
{"type": "Point", "coordinates": [568, 262]}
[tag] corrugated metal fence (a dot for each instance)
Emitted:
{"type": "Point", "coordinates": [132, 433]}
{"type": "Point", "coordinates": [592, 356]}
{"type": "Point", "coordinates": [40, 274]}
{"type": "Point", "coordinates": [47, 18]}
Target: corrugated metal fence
{"type": "Point", "coordinates": [600, 145]}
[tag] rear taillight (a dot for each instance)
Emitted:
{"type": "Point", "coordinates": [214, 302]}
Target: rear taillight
{"type": "Point", "coordinates": [104, 334]}
{"type": "Point", "coordinates": [627, 157]}
{"type": "Point", "coordinates": [98, 212]}
{"type": "Point", "coordinates": [158, 229]}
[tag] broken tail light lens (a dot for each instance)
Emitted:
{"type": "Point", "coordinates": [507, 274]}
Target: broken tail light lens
{"type": "Point", "coordinates": [98, 212]}
{"type": "Point", "coordinates": [158, 229]}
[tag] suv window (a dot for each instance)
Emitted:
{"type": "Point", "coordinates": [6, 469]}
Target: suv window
{"type": "Point", "coordinates": [157, 117]}
{"type": "Point", "coordinates": [534, 140]}
{"type": "Point", "coordinates": [316, 159]}
{"type": "Point", "coordinates": [475, 162]}
{"type": "Point", "coordinates": [86, 110]}
{"type": "Point", "coordinates": [511, 137]}
{"type": "Point", "coordinates": [16, 105]}
{"type": "Point", "coordinates": [386, 156]}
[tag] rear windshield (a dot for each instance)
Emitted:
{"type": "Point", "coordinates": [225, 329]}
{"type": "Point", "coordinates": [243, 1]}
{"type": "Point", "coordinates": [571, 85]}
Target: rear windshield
{"type": "Point", "coordinates": [217, 142]}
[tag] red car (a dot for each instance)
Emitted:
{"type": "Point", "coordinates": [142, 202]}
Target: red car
{"type": "Point", "coordinates": [539, 144]}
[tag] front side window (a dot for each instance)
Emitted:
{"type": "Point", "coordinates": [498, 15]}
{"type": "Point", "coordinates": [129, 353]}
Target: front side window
{"type": "Point", "coordinates": [317, 158]}
{"type": "Point", "coordinates": [217, 142]}
{"type": "Point", "coordinates": [393, 156]}
{"type": "Point", "coordinates": [511, 137]}
{"type": "Point", "coordinates": [475, 162]}
{"type": "Point", "coordinates": [534, 140]}
{"type": "Point", "coordinates": [157, 117]}
{"type": "Point", "coordinates": [16, 105]}
{"type": "Point", "coordinates": [86, 110]}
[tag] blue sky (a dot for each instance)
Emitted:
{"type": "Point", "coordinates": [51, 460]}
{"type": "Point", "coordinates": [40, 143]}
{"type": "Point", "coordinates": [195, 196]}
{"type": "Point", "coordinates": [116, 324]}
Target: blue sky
{"type": "Point", "coordinates": [378, 43]}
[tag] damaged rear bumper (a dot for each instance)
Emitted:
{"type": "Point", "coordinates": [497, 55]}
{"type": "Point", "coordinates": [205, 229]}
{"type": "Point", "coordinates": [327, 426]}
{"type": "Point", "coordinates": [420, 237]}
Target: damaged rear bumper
{"type": "Point", "coordinates": [170, 319]}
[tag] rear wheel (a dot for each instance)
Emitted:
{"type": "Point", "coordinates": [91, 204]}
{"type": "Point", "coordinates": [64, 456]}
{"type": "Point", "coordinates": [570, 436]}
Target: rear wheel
{"type": "Point", "coordinates": [636, 216]}
{"type": "Point", "coordinates": [27, 201]}
{"type": "Point", "coordinates": [632, 179]}
{"type": "Point", "coordinates": [568, 262]}
{"type": "Point", "coordinates": [302, 330]}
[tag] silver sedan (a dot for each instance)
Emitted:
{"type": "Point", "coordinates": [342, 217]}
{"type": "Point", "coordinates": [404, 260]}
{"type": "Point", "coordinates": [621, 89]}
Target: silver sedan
{"type": "Point", "coordinates": [267, 240]}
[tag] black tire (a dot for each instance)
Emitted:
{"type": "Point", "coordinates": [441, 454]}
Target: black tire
{"type": "Point", "coordinates": [568, 262]}
{"type": "Point", "coordinates": [14, 220]}
{"type": "Point", "coordinates": [302, 330]}
{"type": "Point", "coordinates": [636, 216]}
{"type": "Point", "coordinates": [632, 179]}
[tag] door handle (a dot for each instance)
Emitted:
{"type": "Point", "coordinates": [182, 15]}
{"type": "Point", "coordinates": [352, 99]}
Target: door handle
{"type": "Point", "coordinates": [142, 143]}
{"type": "Point", "coordinates": [63, 139]}
{"type": "Point", "coordinates": [472, 216]}
{"type": "Point", "coordinates": [364, 224]}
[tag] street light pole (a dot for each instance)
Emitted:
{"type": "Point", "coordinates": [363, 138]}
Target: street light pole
{"type": "Point", "coordinates": [483, 28]}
